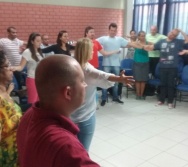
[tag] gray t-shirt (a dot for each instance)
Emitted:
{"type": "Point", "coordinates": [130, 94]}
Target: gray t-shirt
{"type": "Point", "coordinates": [169, 52]}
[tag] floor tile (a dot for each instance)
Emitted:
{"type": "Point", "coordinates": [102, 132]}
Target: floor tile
{"type": "Point", "coordinates": [104, 150]}
{"type": "Point", "coordinates": [180, 151]}
{"type": "Point", "coordinates": [123, 142]}
{"type": "Point", "coordinates": [146, 164]}
{"type": "Point", "coordinates": [167, 160]}
{"type": "Point", "coordinates": [174, 135]}
{"type": "Point", "coordinates": [138, 134]}
{"type": "Point", "coordinates": [124, 159]}
{"type": "Point", "coordinates": [143, 151]}
{"type": "Point", "coordinates": [160, 142]}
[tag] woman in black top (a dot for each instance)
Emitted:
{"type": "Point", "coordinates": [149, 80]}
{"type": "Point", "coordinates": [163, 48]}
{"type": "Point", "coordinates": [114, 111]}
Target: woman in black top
{"type": "Point", "coordinates": [62, 47]}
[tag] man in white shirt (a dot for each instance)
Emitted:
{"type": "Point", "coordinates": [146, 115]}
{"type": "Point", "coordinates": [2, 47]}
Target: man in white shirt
{"type": "Point", "coordinates": [45, 44]}
{"type": "Point", "coordinates": [12, 48]}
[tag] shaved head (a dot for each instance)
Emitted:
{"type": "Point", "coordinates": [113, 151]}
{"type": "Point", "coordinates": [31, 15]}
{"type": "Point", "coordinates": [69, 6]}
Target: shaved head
{"type": "Point", "coordinates": [153, 30]}
{"type": "Point", "coordinates": [53, 73]}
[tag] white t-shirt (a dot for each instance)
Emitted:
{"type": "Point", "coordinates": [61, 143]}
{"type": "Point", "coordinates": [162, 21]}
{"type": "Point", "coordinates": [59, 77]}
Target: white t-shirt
{"type": "Point", "coordinates": [93, 78]}
{"type": "Point", "coordinates": [11, 49]}
{"type": "Point", "coordinates": [31, 63]}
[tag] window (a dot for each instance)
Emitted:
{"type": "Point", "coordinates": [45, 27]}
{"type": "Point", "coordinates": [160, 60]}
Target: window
{"type": "Point", "coordinates": [166, 14]}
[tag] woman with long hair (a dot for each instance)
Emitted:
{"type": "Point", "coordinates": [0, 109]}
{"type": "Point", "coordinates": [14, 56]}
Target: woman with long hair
{"type": "Point", "coordinates": [85, 115]}
{"type": "Point", "coordinates": [10, 114]}
{"type": "Point", "coordinates": [31, 57]}
{"type": "Point", "coordinates": [62, 46]}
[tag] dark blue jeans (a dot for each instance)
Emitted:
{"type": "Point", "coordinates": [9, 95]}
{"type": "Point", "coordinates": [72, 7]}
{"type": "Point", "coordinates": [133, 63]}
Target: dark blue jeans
{"type": "Point", "coordinates": [114, 70]}
{"type": "Point", "coordinates": [167, 88]}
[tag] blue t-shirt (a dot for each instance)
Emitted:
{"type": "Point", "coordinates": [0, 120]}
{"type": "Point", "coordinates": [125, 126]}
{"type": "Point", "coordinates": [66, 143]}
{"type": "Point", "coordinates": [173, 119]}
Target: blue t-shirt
{"type": "Point", "coordinates": [169, 52]}
{"type": "Point", "coordinates": [112, 44]}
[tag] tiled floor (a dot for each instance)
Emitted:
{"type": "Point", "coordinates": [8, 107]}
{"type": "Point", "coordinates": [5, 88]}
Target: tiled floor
{"type": "Point", "coordinates": [139, 134]}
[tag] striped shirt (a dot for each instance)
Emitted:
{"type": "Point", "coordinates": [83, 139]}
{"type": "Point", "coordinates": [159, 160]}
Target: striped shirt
{"type": "Point", "coordinates": [11, 49]}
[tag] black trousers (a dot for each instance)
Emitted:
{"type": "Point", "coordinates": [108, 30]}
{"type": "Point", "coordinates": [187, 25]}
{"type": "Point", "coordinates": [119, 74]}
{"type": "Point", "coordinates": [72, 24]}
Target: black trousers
{"type": "Point", "coordinates": [167, 88]}
{"type": "Point", "coordinates": [152, 64]}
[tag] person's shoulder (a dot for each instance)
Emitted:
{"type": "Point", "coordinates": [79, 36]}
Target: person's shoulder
{"type": "Point", "coordinates": [27, 54]}
{"type": "Point", "coordinates": [148, 35]}
{"type": "Point", "coordinates": [95, 42]}
{"type": "Point", "coordinates": [88, 67]}
{"type": "Point", "coordinates": [162, 40]}
{"type": "Point", "coordinates": [26, 51]}
{"type": "Point", "coordinates": [4, 40]}
{"type": "Point", "coordinates": [120, 38]}
{"type": "Point", "coordinates": [161, 36]}
{"type": "Point", "coordinates": [102, 38]}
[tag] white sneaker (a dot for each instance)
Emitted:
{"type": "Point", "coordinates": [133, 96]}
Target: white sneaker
{"type": "Point", "coordinates": [170, 106]}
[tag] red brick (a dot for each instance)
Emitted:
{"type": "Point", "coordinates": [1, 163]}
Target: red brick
{"type": "Point", "coordinates": [52, 18]}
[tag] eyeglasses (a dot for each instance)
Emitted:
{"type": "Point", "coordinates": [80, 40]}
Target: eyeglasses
{"type": "Point", "coordinates": [7, 66]}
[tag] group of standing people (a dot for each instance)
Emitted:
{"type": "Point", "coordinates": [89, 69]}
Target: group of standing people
{"type": "Point", "coordinates": [31, 58]}
{"type": "Point", "coordinates": [71, 83]}
{"type": "Point", "coordinates": [165, 50]}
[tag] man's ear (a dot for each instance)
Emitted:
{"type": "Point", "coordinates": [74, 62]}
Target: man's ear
{"type": "Point", "coordinates": [68, 93]}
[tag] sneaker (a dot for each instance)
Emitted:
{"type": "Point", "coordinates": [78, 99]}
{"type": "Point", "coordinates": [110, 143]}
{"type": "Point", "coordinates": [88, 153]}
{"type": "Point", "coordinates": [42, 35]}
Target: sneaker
{"type": "Point", "coordinates": [103, 102]}
{"type": "Point", "coordinates": [170, 106]}
{"type": "Point", "coordinates": [159, 103]}
{"type": "Point", "coordinates": [118, 101]}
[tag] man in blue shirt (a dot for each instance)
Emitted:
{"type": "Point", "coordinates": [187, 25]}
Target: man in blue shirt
{"type": "Point", "coordinates": [111, 63]}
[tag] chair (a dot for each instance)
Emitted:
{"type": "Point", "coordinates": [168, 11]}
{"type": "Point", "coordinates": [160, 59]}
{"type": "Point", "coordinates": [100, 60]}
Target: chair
{"type": "Point", "coordinates": [180, 66]}
{"type": "Point", "coordinates": [155, 81]}
{"type": "Point", "coordinates": [182, 88]}
{"type": "Point", "coordinates": [127, 65]}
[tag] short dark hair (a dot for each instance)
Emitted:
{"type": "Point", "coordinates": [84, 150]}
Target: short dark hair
{"type": "Point", "coordinates": [140, 32]}
{"type": "Point", "coordinates": [42, 36]}
{"type": "Point", "coordinates": [9, 28]}
{"type": "Point", "coordinates": [114, 25]}
{"type": "Point", "coordinates": [132, 31]}
{"type": "Point", "coordinates": [87, 30]}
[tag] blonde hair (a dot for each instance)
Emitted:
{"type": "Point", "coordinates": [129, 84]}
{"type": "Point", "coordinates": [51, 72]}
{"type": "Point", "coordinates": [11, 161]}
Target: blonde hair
{"type": "Point", "coordinates": [83, 51]}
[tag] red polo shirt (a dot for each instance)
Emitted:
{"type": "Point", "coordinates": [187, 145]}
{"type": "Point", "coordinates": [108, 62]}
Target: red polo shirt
{"type": "Point", "coordinates": [46, 139]}
{"type": "Point", "coordinates": [96, 47]}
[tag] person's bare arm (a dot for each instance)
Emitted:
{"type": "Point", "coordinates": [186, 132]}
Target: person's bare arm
{"type": "Point", "coordinates": [21, 66]}
{"type": "Point", "coordinates": [107, 53]}
{"type": "Point", "coordinates": [127, 80]}
{"type": "Point", "coordinates": [148, 47]}
{"type": "Point", "coordinates": [135, 45]}
{"type": "Point", "coordinates": [10, 88]}
{"type": "Point", "coordinates": [185, 36]}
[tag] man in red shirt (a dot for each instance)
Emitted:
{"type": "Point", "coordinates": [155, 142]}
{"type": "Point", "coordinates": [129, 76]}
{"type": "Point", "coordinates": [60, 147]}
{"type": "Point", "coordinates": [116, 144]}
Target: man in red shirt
{"type": "Point", "coordinates": [46, 137]}
{"type": "Point", "coordinates": [90, 33]}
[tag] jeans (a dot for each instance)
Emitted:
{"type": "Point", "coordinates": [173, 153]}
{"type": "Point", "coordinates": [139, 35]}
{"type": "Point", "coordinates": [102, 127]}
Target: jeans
{"type": "Point", "coordinates": [87, 129]}
{"type": "Point", "coordinates": [18, 76]}
{"type": "Point", "coordinates": [167, 87]}
{"type": "Point", "coordinates": [115, 70]}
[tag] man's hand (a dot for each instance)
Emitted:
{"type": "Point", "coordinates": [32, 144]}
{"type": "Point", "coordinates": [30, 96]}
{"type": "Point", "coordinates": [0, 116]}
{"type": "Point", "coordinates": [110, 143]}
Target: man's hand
{"type": "Point", "coordinates": [183, 52]}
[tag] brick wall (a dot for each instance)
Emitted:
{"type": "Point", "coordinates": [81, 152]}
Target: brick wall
{"type": "Point", "coordinates": [51, 19]}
